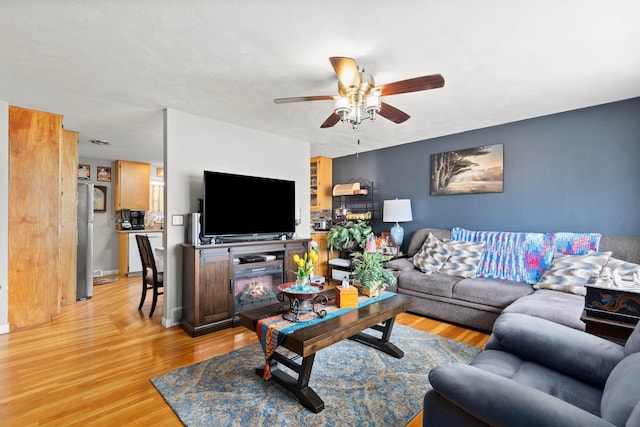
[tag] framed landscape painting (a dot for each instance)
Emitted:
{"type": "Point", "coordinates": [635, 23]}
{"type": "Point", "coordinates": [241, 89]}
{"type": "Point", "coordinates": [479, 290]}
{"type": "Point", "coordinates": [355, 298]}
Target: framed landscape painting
{"type": "Point", "coordinates": [469, 171]}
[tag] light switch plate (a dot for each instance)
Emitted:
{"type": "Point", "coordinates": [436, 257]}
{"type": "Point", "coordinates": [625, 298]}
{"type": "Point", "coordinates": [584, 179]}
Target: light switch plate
{"type": "Point", "coordinates": [177, 220]}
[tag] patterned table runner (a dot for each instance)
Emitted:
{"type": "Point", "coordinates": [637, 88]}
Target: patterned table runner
{"type": "Point", "coordinates": [273, 330]}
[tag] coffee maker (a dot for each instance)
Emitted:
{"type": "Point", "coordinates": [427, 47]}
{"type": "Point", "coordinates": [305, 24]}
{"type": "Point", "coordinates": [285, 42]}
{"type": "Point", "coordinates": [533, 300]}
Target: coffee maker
{"type": "Point", "coordinates": [125, 219]}
{"type": "Point", "coordinates": [137, 220]}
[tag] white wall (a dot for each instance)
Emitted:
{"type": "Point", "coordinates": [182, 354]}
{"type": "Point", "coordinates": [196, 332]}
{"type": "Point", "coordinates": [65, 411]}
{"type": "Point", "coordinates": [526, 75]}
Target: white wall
{"type": "Point", "coordinates": [4, 217]}
{"type": "Point", "coordinates": [194, 144]}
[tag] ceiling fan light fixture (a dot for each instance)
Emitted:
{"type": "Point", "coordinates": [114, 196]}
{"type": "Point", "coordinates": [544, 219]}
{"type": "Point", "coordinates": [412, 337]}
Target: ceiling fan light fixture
{"type": "Point", "coordinates": [342, 107]}
{"type": "Point", "coordinates": [372, 105]}
{"type": "Point", "coordinates": [353, 109]}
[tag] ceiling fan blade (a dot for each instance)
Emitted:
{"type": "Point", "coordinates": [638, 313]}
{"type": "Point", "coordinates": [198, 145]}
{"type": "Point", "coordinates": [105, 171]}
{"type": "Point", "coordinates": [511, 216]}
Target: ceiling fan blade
{"type": "Point", "coordinates": [413, 85]}
{"type": "Point", "coordinates": [393, 114]}
{"type": "Point", "coordinates": [331, 120]}
{"type": "Point", "coordinates": [303, 98]}
{"type": "Point", "coordinates": [347, 71]}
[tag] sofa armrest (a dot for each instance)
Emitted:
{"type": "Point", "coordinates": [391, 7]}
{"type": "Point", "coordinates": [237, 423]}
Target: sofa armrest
{"type": "Point", "coordinates": [573, 352]}
{"type": "Point", "coordinates": [400, 264]}
{"type": "Point", "coordinates": [496, 400]}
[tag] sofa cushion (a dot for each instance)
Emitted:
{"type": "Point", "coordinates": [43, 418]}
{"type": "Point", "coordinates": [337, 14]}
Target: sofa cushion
{"type": "Point", "coordinates": [491, 292]}
{"type": "Point", "coordinates": [622, 391]}
{"type": "Point", "coordinates": [432, 256]}
{"type": "Point", "coordinates": [626, 248]}
{"type": "Point", "coordinates": [464, 258]}
{"type": "Point", "coordinates": [633, 342]}
{"type": "Point", "coordinates": [557, 384]}
{"type": "Point", "coordinates": [570, 273]}
{"type": "Point", "coordinates": [558, 307]}
{"type": "Point", "coordinates": [433, 284]}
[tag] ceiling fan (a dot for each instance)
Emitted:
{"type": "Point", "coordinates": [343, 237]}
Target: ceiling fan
{"type": "Point", "coordinates": [359, 98]}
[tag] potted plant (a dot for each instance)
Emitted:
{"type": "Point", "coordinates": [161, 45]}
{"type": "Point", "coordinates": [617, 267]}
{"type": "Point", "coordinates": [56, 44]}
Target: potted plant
{"type": "Point", "coordinates": [348, 236]}
{"type": "Point", "coordinates": [369, 269]}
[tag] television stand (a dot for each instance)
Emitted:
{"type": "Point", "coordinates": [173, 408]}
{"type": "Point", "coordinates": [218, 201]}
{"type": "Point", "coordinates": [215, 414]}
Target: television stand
{"type": "Point", "coordinates": [209, 278]}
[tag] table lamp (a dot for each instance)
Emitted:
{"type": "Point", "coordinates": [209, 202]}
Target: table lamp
{"type": "Point", "coordinates": [398, 210]}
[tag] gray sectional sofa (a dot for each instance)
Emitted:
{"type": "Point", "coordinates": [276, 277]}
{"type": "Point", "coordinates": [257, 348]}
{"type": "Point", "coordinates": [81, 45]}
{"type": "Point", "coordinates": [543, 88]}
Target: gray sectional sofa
{"type": "Point", "coordinates": [535, 373]}
{"type": "Point", "coordinates": [477, 302]}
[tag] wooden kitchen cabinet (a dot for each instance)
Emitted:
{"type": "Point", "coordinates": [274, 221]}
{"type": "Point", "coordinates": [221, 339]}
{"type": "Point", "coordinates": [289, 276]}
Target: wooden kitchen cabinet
{"type": "Point", "coordinates": [320, 177]}
{"type": "Point", "coordinates": [322, 268]}
{"type": "Point", "coordinates": [132, 183]}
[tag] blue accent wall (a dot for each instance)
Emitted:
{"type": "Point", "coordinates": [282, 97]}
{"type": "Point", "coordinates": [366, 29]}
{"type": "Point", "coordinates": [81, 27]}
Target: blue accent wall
{"type": "Point", "coordinates": [572, 171]}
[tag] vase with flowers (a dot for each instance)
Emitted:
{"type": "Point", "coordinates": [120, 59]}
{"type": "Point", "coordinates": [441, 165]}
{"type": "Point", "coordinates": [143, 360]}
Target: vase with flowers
{"type": "Point", "coordinates": [306, 266]}
{"type": "Point", "coordinates": [303, 294]}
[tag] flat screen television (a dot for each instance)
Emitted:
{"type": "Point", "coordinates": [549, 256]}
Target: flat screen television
{"type": "Point", "coordinates": [238, 207]}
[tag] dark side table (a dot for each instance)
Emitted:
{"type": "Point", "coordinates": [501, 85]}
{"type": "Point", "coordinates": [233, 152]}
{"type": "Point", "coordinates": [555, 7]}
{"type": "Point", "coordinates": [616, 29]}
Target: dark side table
{"type": "Point", "coordinates": [611, 313]}
{"type": "Point", "coordinates": [613, 330]}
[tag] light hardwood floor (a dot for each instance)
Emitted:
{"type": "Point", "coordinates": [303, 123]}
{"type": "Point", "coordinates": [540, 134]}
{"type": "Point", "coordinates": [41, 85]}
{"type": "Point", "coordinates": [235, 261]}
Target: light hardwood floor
{"type": "Point", "coordinates": [92, 364]}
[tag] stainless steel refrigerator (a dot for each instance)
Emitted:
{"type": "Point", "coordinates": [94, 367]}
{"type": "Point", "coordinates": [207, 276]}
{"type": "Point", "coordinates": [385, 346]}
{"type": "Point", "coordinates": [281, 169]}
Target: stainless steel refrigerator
{"type": "Point", "coordinates": [85, 241]}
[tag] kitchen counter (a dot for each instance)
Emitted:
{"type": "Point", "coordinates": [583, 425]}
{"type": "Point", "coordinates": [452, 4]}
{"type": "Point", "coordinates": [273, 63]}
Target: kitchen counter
{"type": "Point", "coordinates": [129, 262]}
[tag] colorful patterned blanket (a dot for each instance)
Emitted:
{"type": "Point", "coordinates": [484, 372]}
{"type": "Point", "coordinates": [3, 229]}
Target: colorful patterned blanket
{"type": "Point", "coordinates": [524, 257]}
{"type": "Point", "coordinates": [273, 330]}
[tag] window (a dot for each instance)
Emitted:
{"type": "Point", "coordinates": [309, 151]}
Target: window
{"type": "Point", "coordinates": [156, 197]}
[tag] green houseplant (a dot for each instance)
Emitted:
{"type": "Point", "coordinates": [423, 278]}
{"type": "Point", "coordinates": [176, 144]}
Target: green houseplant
{"type": "Point", "coordinates": [369, 270]}
{"type": "Point", "coordinates": [348, 236]}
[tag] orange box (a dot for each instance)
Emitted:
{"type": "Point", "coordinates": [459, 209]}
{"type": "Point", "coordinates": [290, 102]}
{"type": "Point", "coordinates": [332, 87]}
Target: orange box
{"type": "Point", "coordinates": [346, 298]}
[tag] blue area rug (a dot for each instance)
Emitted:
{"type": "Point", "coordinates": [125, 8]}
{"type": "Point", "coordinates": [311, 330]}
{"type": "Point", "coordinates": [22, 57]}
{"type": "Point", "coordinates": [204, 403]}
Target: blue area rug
{"type": "Point", "coordinates": [359, 385]}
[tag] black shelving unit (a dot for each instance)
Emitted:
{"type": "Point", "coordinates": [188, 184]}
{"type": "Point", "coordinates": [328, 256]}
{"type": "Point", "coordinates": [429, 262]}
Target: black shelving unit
{"type": "Point", "coordinates": [355, 203]}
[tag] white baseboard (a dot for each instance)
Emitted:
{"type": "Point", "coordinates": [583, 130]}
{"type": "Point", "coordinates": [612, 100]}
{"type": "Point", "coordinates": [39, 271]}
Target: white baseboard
{"type": "Point", "coordinates": [4, 329]}
{"type": "Point", "coordinates": [100, 273]}
{"type": "Point", "coordinates": [176, 314]}
{"type": "Point", "coordinates": [169, 323]}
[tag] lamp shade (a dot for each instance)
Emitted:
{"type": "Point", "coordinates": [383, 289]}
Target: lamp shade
{"type": "Point", "coordinates": [398, 210]}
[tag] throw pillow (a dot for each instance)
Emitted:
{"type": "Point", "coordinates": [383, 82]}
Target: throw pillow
{"type": "Point", "coordinates": [625, 269]}
{"type": "Point", "coordinates": [431, 257]}
{"type": "Point", "coordinates": [570, 273]}
{"type": "Point", "coordinates": [464, 258]}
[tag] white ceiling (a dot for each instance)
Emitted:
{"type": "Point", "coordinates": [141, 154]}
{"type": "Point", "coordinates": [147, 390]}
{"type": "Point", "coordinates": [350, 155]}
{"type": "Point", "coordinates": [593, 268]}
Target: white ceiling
{"type": "Point", "coordinates": [111, 67]}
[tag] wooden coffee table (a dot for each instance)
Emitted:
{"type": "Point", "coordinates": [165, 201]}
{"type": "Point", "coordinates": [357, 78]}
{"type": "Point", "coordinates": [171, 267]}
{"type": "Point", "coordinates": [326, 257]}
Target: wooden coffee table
{"type": "Point", "coordinates": [308, 340]}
